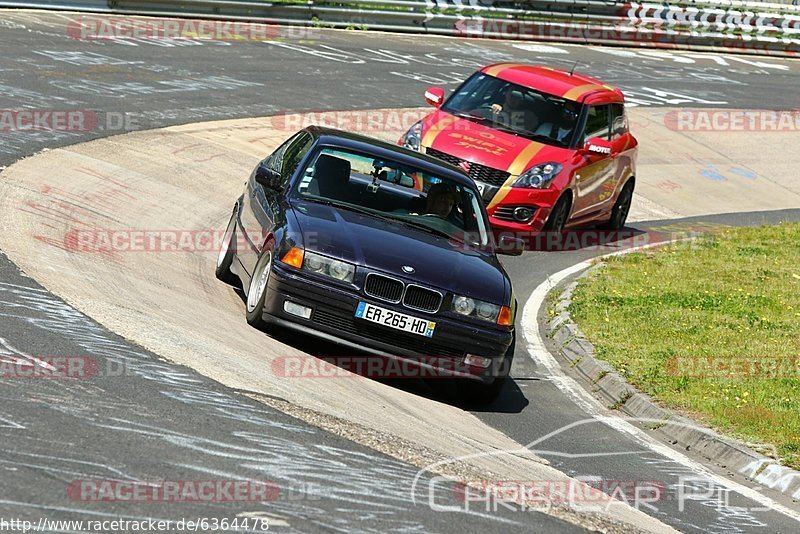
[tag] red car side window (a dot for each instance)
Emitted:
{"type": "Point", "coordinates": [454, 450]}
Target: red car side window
{"type": "Point", "coordinates": [619, 122]}
{"type": "Point", "coordinates": [598, 122]}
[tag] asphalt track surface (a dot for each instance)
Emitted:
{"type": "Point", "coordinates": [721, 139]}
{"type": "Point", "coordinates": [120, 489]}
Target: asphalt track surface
{"type": "Point", "coordinates": [176, 424]}
{"type": "Point", "coordinates": [158, 421]}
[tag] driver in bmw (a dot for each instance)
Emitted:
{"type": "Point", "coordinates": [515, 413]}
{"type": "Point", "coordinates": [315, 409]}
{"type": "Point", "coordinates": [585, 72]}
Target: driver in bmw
{"type": "Point", "coordinates": [441, 200]}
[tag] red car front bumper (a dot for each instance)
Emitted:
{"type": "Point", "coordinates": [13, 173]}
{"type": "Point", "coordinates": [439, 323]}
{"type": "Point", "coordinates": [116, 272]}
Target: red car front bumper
{"type": "Point", "coordinates": [540, 201]}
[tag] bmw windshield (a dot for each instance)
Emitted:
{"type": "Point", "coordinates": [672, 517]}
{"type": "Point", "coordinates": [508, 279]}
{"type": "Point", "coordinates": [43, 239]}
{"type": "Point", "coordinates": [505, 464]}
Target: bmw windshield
{"type": "Point", "coordinates": [515, 109]}
{"type": "Point", "coordinates": [395, 192]}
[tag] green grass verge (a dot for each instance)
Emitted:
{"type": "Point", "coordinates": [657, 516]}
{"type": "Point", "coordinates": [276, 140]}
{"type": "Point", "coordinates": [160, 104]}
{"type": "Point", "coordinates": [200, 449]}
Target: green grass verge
{"type": "Point", "coordinates": [729, 298]}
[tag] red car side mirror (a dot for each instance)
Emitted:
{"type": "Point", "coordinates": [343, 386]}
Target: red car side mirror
{"type": "Point", "coordinates": [434, 96]}
{"type": "Point", "coordinates": [598, 145]}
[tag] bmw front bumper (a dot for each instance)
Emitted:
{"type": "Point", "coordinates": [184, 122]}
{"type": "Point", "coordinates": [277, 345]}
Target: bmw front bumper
{"type": "Point", "coordinates": [333, 318]}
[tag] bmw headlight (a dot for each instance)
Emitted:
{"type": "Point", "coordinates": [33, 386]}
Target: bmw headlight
{"type": "Point", "coordinates": [475, 308]}
{"type": "Point", "coordinates": [539, 177]}
{"type": "Point", "coordinates": [317, 263]}
{"type": "Point", "coordinates": [413, 137]}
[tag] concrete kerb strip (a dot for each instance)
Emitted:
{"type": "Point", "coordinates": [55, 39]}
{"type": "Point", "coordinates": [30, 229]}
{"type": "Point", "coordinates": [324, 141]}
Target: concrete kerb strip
{"type": "Point", "coordinates": [578, 352]}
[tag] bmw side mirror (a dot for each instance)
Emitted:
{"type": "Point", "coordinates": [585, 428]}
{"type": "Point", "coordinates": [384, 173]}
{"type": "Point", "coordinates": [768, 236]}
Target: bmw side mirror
{"type": "Point", "coordinates": [598, 145]}
{"type": "Point", "coordinates": [268, 178]}
{"type": "Point", "coordinates": [434, 96]}
{"type": "Point", "coordinates": [510, 246]}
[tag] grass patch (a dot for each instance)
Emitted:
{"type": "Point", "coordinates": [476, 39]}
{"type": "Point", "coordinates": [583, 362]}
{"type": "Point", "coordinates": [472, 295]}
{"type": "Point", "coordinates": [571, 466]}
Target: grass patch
{"type": "Point", "coordinates": [733, 297]}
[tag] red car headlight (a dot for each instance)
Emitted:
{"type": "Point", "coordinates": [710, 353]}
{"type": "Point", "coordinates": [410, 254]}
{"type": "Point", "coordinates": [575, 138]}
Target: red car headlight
{"type": "Point", "coordinates": [539, 177]}
{"type": "Point", "coordinates": [413, 137]}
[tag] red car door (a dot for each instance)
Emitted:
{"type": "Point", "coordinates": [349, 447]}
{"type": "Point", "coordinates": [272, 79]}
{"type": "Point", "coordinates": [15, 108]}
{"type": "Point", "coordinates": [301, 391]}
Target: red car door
{"type": "Point", "coordinates": [623, 146]}
{"type": "Point", "coordinates": [592, 177]}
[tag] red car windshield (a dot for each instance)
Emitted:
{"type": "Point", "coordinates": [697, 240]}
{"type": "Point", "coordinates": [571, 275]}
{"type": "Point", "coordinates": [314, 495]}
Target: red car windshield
{"type": "Point", "coordinates": [515, 109]}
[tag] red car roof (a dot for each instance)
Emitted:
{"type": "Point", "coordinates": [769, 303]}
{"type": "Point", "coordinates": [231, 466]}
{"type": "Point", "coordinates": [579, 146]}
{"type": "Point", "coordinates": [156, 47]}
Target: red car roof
{"type": "Point", "coordinates": [553, 81]}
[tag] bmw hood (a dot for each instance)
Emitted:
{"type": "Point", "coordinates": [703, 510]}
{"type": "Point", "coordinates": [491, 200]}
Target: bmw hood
{"type": "Point", "coordinates": [388, 247]}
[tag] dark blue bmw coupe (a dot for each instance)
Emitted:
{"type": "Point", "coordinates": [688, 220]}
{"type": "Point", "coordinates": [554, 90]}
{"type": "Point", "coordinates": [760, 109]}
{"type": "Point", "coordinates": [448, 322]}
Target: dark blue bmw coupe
{"type": "Point", "coordinates": [377, 248]}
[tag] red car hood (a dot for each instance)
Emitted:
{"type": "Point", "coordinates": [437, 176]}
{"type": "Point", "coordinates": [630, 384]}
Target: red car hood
{"type": "Point", "coordinates": [480, 144]}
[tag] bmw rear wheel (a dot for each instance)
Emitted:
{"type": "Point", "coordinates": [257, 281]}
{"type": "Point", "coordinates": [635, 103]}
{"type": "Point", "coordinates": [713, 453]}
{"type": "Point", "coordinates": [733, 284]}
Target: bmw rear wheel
{"type": "Point", "coordinates": [226, 252]}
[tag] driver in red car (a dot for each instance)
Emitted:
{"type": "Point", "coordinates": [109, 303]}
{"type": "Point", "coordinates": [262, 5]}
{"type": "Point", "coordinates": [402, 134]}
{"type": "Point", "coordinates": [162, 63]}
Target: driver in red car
{"type": "Point", "coordinates": [513, 112]}
{"type": "Point", "coordinates": [512, 101]}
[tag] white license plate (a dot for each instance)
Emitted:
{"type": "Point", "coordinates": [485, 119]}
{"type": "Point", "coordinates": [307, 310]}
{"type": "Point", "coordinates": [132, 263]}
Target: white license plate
{"type": "Point", "coordinates": [393, 319]}
{"type": "Point", "coordinates": [481, 187]}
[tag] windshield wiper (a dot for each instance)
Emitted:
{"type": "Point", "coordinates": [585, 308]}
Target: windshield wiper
{"type": "Point", "coordinates": [366, 211]}
{"type": "Point", "coordinates": [528, 135]}
{"type": "Point", "coordinates": [351, 207]}
{"type": "Point", "coordinates": [426, 228]}
{"type": "Point", "coordinates": [406, 222]}
{"type": "Point", "coordinates": [442, 233]}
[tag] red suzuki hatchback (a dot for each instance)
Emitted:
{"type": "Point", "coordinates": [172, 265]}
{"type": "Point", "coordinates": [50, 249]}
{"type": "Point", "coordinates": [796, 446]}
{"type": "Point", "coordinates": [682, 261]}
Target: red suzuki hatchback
{"type": "Point", "coordinates": [548, 149]}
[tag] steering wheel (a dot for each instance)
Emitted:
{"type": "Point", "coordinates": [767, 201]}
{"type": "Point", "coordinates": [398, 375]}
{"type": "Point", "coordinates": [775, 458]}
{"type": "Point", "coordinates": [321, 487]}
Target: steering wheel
{"type": "Point", "coordinates": [485, 108]}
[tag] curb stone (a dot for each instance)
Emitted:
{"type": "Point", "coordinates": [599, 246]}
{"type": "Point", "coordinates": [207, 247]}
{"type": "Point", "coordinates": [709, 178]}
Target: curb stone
{"type": "Point", "coordinates": [569, 330]}
{"type": "Point", "coordinates": [578, 352]}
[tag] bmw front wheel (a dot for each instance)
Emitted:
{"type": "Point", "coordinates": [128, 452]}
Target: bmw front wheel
{"type": "Point", "coordinates": [257, 291]}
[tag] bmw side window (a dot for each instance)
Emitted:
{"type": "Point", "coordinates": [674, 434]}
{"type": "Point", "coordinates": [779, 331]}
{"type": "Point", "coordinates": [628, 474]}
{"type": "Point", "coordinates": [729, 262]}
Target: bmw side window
{"type": "Point", "coordinates": [598, 122]}
{"type": "Point", "coordinates": [619, 122]}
